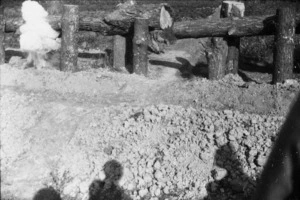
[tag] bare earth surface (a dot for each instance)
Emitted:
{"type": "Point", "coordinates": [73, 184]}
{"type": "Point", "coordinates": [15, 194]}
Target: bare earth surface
{"type": "Point", "coordinates": [176, 135]}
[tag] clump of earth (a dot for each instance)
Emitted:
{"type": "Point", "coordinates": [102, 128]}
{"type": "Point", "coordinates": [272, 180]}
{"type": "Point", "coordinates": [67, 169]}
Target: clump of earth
{"type": "Point", "coordinates": [175, 134]}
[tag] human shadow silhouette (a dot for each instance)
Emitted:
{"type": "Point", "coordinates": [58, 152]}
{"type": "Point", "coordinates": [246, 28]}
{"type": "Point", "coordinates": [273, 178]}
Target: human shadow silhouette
{"type": "Point", "coordinates": [10, 53]}
{"type": "Point", "coordinates": [48, 193]}
{"type": "Point", "coordinates": [233, 185]}
{"type": "Point", "coordinates": [109, 189]}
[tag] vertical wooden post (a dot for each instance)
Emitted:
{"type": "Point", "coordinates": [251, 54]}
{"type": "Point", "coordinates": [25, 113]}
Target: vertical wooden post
{"type": "Point", "coordinates": [69, 46]}
{"type": "Point", "coordinates": [140, 46]}
{"type": "Point", "coordinates": [216, 55]}
{"type": "Point", "coordinates": [232, 9]}
{"type": "Point", "coordinates": [2, 36]}
{"type": "Point", "coordinates": [119, 53]}
{"type": "Point", "coordinates": [284, 44]}
{"type": "Point", "coordinates": [216, 58]}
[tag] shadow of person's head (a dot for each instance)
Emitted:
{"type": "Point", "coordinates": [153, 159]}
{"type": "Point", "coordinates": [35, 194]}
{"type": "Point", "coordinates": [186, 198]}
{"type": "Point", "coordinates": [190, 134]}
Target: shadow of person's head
{"type": "Point", "coordinates": [113, 171]}
{"type": "Point", "coordinates": [47, 194]}
{"type": "Point", "coordinates": [226, 156]}
{"type": "Point", "coordinates": [108, 189]}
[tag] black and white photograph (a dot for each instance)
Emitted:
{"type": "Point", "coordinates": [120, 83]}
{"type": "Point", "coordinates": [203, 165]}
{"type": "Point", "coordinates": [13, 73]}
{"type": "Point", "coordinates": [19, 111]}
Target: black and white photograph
{"type": "Point", "coordinates": [150, 99]}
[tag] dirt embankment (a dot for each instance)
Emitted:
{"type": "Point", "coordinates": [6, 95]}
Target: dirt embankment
{"type": "Point", "coordinates": [175, 138]}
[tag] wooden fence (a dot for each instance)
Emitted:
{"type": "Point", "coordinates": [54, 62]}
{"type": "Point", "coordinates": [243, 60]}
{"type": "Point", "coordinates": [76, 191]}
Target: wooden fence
{"type": "Point", "coordinates": [120, 23]}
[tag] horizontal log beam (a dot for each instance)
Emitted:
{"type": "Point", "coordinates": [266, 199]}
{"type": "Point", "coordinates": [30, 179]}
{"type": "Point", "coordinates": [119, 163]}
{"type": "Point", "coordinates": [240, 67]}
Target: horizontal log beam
{"type": "Point", "coordinates": [112, 24]}
{"type": "Point", "coordinates": [86, 23]}
{"type": "Point", "coordinates": [116, 22]}
{"type": "Point", "coordinates": [247, 26]}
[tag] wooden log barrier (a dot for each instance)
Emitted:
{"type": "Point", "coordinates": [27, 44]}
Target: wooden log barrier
{"type": "Point", "coordinates": [69, 48]}
{"type": "Point", "coordinates": [117, 22]}
{"type": "Point", "coordinates": [284, 45]}
{"type": "Point", "coordinates": [232, 9]}
{"type": "Point", "coordinates": [2, 35]}
{"type": "Point", "coordinates": [246, 26]}
{"type": "Point", "coordinates": [119, 51]}
{"type": "Point", "coordinates": [140, 46]}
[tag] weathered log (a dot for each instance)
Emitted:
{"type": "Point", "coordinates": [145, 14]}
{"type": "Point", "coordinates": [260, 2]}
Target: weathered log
{"type": "Point", "coordinates": [2, 35]}
{"type": "Point", "coordinates": [117, 22]}
{"type": "Point", "coordinates": [216, 58]}
{"type": "Point", "coordinates": [216, 55]}
{"type": "Point", "coordinates": [247, 26]}
{"type": "Point", "coordinates": [232, 9]}
{"type": "Point", "coordinates": [140, 46]}
{"type": "Point", "coordinates": [284, 45]}
{"type": "Point", "coordinates": [125, 15]}
{"type": "Point", "coordinates": [69, 48]}
{"type": "Point", "coordinates": [119, 50]}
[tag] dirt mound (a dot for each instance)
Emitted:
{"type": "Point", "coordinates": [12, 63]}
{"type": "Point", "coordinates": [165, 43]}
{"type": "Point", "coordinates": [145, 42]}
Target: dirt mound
{"type": "Point", "coordinates": [176, 138]}
{"type": "Point", "coordinates": [165, 150]}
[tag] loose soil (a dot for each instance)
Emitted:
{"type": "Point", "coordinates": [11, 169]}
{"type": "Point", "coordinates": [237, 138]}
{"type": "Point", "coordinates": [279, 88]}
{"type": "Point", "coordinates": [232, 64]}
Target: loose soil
{"type": "Point", "coordinates": [176, 134]}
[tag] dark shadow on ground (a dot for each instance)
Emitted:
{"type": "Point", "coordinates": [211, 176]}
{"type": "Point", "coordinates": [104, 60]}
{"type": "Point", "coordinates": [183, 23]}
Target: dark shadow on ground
{"type": "Point", "coordinates": [185, 68]}
{"type": "Point", "coordinates": [109, 189]}
{"type": "Point", "coordinates": [259, 69]}
{"type": "Point", "coordinates": [11, 53]}
{"type": "Point", "coordinates": [251, 65]}
{"type": "Point", "coordinates": [235, 183]}
{"type": "Point", "coordinates": [91, 55]}
{"type": "Point", "coordinates": [247, 78]}
{"type": "Point", "coordinates": [251, 70]}
{"type": "Point", "coordinates": [47, 194]}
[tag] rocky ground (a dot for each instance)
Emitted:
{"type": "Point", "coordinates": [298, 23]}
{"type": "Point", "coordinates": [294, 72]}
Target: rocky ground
{"type": "Point", "coordinates": [173, 135]}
